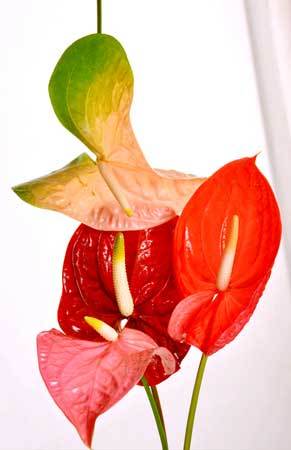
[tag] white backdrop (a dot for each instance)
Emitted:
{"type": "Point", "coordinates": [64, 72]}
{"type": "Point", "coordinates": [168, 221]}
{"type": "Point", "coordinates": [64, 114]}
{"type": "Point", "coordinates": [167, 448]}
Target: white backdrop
{"type": "Point", "coordinates": [196, 107]}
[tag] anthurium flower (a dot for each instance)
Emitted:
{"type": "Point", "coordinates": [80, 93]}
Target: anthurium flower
{"type": "Point", "coordinates": [86, 378]}
{"type": "Point", "coordinates": [91, 91]}
{"type": "Point", "coordinates": [89, 289]}
{"type": "Point", "coordinates": [225, 244]}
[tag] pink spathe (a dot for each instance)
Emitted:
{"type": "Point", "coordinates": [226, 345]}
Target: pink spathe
{"type": "Point", "coordinates": [86, 378]}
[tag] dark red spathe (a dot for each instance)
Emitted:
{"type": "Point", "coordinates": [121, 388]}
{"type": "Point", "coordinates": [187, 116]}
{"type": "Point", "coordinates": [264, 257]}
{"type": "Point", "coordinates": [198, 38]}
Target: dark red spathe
{"type": "Point", "coordinates": [88, 286]}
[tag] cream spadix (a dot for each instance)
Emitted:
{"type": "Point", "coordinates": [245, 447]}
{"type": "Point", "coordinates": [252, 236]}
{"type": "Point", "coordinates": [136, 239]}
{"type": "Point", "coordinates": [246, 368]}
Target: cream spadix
{"type": "Point", "coordinates": [102, 328]}
{"type": "Point", "coordinates": [115, 188]}
{"type": "Point", "coordinates": [123, 295]}
{"type": "Point", "coordinates": [228, 256]}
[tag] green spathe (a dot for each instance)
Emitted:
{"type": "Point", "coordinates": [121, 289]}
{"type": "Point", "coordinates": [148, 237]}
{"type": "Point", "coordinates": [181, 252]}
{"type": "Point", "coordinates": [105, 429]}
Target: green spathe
{"type": "Point", "coordinates": [91, 81]}
{"type": "Point", "coordinates": [91, 91]}
{"type": "Point", "coordinates": [53, 191]}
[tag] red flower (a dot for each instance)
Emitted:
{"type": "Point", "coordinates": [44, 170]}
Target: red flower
{"type": "Point", "coordinates": [224, 248]}
{"type": "Point", "coordinates": [88, 287]}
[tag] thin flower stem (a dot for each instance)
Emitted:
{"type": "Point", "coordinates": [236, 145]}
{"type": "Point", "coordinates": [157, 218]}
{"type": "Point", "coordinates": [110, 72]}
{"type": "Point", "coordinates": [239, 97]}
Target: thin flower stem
{"type": "Point", "coordinates": [99, 16]}
{"type": "Point", "coordinates": [157, 416]}
{"type": "Point", "coordinates": [194, 401]}
{"type": "Point", "coordinates": [156, 396]}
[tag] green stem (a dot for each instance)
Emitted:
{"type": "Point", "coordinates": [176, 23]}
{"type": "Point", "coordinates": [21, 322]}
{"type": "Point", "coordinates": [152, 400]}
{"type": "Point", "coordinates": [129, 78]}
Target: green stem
{"type": "Point", "coordinates": [99, 16]}
{"type": "Point", "coordinates": [157, 416]}
{"type": "Point", "coordinates": [156, 396]}
{"type": "Point", "coordinates": [194, 401]}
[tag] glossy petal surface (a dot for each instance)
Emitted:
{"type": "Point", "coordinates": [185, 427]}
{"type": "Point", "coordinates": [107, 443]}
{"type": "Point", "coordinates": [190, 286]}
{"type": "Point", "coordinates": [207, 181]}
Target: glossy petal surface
{"type": "Point", "coordinates": [86, 378]}
{"type": "Point", "coordinates": [91, 91]}
{"type": "Point", "coordinates": [88, 286]}
{"type": "Point", "coordinates": [78, 190]}
{"type": "Point", "coordinates": [209, 318]}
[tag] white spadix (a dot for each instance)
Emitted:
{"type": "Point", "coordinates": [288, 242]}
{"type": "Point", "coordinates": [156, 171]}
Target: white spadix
{"type": "Point", "coordinates": [228, 256]}
{"type": "Point", "coordinates": [123, 295]}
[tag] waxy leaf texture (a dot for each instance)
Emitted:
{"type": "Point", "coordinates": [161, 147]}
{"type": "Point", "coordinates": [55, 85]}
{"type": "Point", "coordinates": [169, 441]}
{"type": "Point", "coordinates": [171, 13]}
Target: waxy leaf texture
{"type": "Point", "coordinates": [209, 318]}
{"type": "Point", "coordinates": [88, 287]}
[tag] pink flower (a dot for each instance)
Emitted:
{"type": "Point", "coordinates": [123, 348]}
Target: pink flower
{"type": "Point", "coordinates": [86, 378]}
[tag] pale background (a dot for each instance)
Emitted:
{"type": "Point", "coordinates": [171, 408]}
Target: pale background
{"type": "Point", "coordinates": [196, 107]}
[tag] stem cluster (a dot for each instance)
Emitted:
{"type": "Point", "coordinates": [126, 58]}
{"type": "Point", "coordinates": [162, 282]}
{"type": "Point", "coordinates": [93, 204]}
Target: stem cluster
{"type": "Point", "coordinates": [152, 392]}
